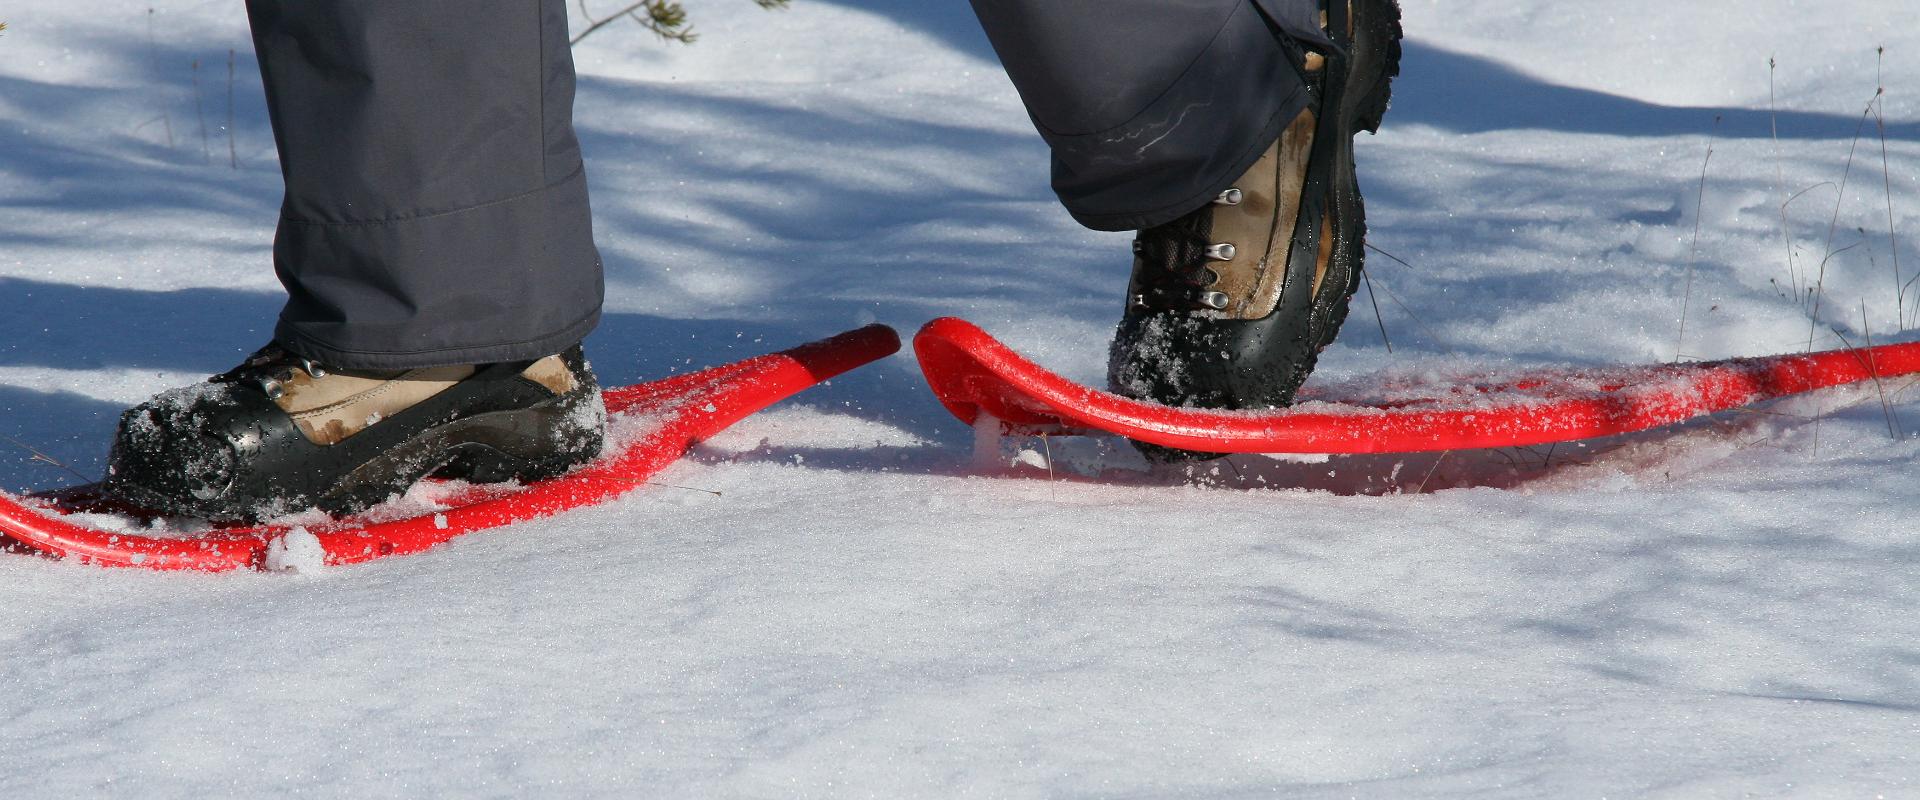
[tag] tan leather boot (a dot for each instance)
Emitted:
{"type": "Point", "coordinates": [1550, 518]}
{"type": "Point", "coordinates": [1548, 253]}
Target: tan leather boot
{"type": "Point", "coordinates": [1230, 305]}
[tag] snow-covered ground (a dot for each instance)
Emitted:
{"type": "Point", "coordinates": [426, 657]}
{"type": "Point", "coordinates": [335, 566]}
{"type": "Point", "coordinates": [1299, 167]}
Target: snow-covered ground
{"type": "Point", "coordinates": [1727, 609]}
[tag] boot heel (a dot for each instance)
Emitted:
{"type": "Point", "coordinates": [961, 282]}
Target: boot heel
{"type": "Point", "coordinates": [1372, 107]}
{"type": "Point", "coordinates": [532, 445]}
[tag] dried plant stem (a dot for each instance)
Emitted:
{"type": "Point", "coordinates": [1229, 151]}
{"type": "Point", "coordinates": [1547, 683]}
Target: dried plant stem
{"type": "Point", "coordinates": [1886, 177]}
{"type": "Point", "coordinates": [233, 147]}
{"type": "Point", "coordinates": [1866, 359]}
{"type": "Point", "coordinates": [1395, 299]}
{"type": "Point", "coordinates": [153, 56]}
{"type": "Point", "coordinates": [1693, 255]}
{"type": "Point", "coordinates": [1780, 183]}
{"type": "Point", "coordinates": [44, 458]}
{"type": "Point", "coordinates": [200, 113]}
{"type": "Point", "coordinates": [1368, 279]}
{"type": "Point", "coordinates": [1435, 468]}
{"type": "Point", "coordinates": [1833, 227]}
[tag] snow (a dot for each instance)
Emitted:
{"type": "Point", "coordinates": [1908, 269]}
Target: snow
{"type": "Point", "coordinates": [1723, 609]}
{"type": "Point", "coordinates": [297, 550]}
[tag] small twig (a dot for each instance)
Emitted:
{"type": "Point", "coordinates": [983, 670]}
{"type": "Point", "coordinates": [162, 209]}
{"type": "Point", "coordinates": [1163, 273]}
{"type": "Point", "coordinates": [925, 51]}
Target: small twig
{"type": "Point", "coordinates": [686, 488]}
{"type": "Point", "coordinates": [1761, 412]}
{"type": "Point", "coordinates": [1802, 295]}
{"type": "Point", "coordinates": [664, 17]}
{"type": "Point", "coordinates": [1833, 226]}
{"type": "Point", "coordinates": [1368, 279]}
{"type": "Point", "coordinates": [153, 56]}
{"type": "Point", "coordinates": [233, 147]}
{"type": "Point", "coordinates": [1436, 468]}
{"type": "Point", "coordinates": [1866, 359]}
{"type": "Point", "coordinates": [1388, 291]}
{"type": "Point", "coordinates": [1397, 259]}
{"type": "Point", "coordinates": [200, 113]}
{"type": "Point", "coordinates": [1886, 176]}
{"type": "Point", "coordinates": [645, 482]}
{"type": "Point", "coordinates": [1904, 389]}
{"type": "Point", "coordinates": [1915, 317]}
{"type": "Point", "coordinates": [1873, 368]}
{"type": "Point", "coordinates": [1693, 252]}
{"type": "Point", "coordinates": [44, 458]}
{"type": "Point", "coordinates": [1046, 444]}
{"type": "Point", "coordinates": [1780, 180]}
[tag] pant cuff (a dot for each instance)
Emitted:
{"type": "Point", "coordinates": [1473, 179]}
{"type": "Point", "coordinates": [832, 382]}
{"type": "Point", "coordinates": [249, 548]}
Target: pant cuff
{"type": "Point", "coordinates": [1194, 140]}
{"type": "Point", "coordinates": [511, 279]}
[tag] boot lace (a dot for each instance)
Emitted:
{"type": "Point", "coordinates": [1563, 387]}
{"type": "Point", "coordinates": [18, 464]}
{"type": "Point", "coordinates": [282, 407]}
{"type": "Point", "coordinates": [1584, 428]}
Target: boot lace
{"type": "Point", "coordinates": [1176, 258]}
{"type": "Point", "coordinates": [269, 368]}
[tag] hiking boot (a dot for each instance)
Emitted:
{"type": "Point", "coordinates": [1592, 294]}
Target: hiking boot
{"type": "Point", "coordinates": [1230, 305]}
{"type": "Point", "coordinates": [280, 434]}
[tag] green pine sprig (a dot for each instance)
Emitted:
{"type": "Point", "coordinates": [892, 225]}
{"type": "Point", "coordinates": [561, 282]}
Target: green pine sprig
{"type": "Point", "coordinates": [667, 19]}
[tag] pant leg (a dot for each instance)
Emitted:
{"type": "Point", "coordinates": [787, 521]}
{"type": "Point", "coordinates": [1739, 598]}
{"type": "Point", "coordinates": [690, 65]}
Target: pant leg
{"type": "Point", "coordinates": [1152, 107]}
{"type": "Point", "coordinates": [436, 208]}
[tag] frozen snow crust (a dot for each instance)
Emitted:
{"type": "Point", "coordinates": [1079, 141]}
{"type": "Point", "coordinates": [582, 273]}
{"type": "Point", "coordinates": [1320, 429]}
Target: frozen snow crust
{"type": "Point", "coordinates": [1724, 610]}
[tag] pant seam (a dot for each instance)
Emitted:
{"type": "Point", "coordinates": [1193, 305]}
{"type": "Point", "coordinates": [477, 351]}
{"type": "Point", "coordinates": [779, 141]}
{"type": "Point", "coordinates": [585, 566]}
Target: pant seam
{"type": "Point", "coordinates": [540, 69]}
{"type": "Point", "coordinates": [368, 223]}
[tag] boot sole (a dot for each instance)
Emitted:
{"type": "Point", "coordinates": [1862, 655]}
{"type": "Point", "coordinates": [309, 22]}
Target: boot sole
{"type": "Point", "coordinates": [535, 443]}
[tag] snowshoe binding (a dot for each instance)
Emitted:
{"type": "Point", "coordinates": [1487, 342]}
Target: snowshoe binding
{"type": "Point", "coordinates": [281, 434]}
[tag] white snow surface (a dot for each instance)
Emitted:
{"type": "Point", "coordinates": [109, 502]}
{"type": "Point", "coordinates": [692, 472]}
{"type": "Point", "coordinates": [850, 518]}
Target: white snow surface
{"type": "Point", "coordinates": [1726, 609]}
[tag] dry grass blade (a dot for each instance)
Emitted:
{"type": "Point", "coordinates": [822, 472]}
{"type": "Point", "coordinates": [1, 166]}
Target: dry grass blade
{"type": "Point", "coordinates": [1693, 251]}
{"type": "Point", "coordinates": [1368, 279]}
{"type": "Point", "coordinates": [1396, 259]}
{"type": "Point", "coordinates": [684, 488]}
{"type": "Point", "coordinates": [1780, 182]}
{"type": "Point", "coordinates": [1053, 491]}
{"type": "Point", "coordinates": [1833, 225]}
{"type": "Point", "coordinates": [1866, 359]}
{"type": "Point", "coordinates": [44, 458]}
{"type": "Point", "coordinates": [153, 57]}
{"type": "Point", "coordinates": [233, 144]}
{"type": "Point", "coordinates": [1435, 468]}
{"type": "Point", "coordinates": [1886, 177]}
{"type": "Point", "coordinates": [1435, 338]}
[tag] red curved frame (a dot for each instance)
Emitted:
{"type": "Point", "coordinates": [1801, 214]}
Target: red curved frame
{"type": "Point", "coordinates": [972, 372]}
{"type": "Point", "coordinates": [690, 408]}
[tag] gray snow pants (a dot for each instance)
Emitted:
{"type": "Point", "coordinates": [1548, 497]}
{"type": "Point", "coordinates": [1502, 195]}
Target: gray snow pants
{"type": "Point", "coordinates": [436, 205]}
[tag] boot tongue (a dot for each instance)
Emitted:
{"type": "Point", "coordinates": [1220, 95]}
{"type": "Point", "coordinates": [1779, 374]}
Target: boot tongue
{"type": "Point", "coordinates": [1173, 259]}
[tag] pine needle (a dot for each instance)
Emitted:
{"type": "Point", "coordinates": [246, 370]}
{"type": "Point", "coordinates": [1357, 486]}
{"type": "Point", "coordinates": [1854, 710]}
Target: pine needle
{"type": "Point", "coordinates": [43, 457]}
